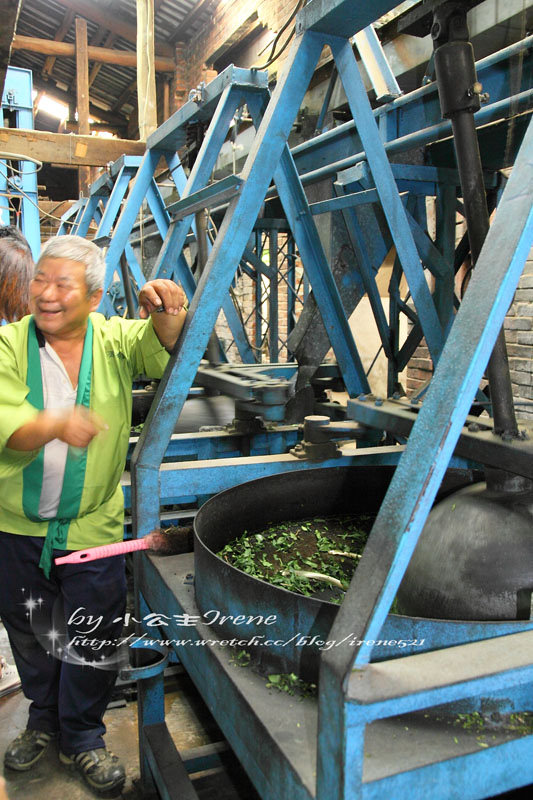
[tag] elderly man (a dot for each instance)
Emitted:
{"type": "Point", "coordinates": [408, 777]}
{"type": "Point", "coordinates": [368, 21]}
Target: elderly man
{"type": "Point", "coordinates": [65, 407]}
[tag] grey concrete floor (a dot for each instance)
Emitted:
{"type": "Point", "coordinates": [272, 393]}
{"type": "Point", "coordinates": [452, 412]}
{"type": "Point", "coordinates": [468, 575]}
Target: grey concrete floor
{"type": "Point", "coordinates": [189, 724]}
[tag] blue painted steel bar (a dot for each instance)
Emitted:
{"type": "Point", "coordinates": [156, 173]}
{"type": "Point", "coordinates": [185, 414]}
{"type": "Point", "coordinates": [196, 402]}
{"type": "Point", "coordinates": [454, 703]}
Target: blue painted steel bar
{"type": "Point", "coordinates": [368, 276]}
{"type": "Point", "coordinates": [471, 338]}
{"type": "Point", "coordinates": [200, 172]}
{"type": "Point", "coordinates": [70, 219]}
{"type": "Point", "coordinates": [327, 296]}
{"type": "Point", "coordinates": [88, 215]}
{"type": "Point", "coordinates": [418, 113]}
{"type": "Point", "coordinates": [133, 264]}
{"type": "Point", "coordinates": [327, 99]}
{"type": "Point", "coordinates": [193, 477]}
{"type": "Point", "coordinates": [320, 276]}
{"type": "Point", "coordinates": [344, 201]}
{"type": "Point", "coordinates": [232, 97]}
{"type": "Point", "coordinates": [127, 219]}
{"type": "Point", "coordinates": [226, 253]}
{"type": "Point", "coordinates": [156, 204]}
{"type": "Point", "coordinates": [432, 678]}
{"type": "Point", "coordinates": [17, 98]}
{"type": "Point", "coordinates": [114, 203]}
{"type": "Point", "coordinates": [207, 197]}
{"type": "Point", "coordinates": [258, 264]}
{"type": "Point", "coordinates": [418, 138]}
{"type": "Point", "coordinates": [376, 65]}
{"type": "Point", "coordinates": [388, 193]}
{"type": "Point", "coordinates": [472, 776]}
{"type": "Point", "coordinates": [332, 16]}
{"type": "Point", "coordinates": [431, 443]}
{"type": "Point", "coordinates": [171, 135]}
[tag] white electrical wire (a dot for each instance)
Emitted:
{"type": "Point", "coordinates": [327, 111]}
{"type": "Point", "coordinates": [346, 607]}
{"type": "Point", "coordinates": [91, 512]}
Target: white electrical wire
{"type": "Point", "coordinates": [19, 157]}
{"type": "Point", "coordinates": [23, 193]}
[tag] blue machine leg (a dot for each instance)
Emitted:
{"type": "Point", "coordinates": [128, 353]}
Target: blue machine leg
{"type": "Point", "coordinates": [388, 192]}
{"type": "Point", "coordinates": [421, 468]}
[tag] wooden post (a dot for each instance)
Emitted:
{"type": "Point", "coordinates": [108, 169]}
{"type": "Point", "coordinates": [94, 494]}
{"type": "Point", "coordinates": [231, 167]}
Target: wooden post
{"type": "Point", "coordinates": [146, 92]}
{"type": "Point", "coordinates": [82, 95]}
{"type": "Point", "coordinates": [166, 99]}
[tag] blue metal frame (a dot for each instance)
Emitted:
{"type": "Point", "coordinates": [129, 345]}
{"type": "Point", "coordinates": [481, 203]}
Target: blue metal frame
{"type": "Point", "coordinates": [355, 695]}
{"type": "Point", "coordinates": [106, 196]}
{"type": "Point", "coordinates": [20, 187]}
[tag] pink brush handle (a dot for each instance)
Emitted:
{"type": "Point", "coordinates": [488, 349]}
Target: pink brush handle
{"type": "Point", "coordinates": [104, 551]}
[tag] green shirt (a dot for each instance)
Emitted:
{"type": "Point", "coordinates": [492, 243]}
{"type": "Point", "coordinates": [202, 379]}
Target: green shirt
{"type": "Point", "coordinates": [122, 349]}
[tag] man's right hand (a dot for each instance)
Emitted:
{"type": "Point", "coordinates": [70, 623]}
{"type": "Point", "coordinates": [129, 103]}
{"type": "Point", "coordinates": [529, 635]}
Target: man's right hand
{"type": "Point", "coordinates": [79, 426]}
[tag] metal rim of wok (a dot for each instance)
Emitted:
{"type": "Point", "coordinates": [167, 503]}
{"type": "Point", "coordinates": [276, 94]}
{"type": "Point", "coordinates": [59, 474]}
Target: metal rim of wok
{"type": "Point", "coordinates": [254, 505]}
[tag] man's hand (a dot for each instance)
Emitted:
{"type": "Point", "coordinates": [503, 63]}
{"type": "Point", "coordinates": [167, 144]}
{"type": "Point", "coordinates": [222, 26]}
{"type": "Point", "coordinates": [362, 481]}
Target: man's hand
{"type": "Point", "coordinates": [77, 427]}
{"type": "Point", "coordinates": [161, 296]}
{"type": "Point", "coordinates": [165, 301]}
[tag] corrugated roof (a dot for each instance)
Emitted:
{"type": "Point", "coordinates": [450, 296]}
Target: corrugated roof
{"type": "Point", "coordinates": [43, 18]}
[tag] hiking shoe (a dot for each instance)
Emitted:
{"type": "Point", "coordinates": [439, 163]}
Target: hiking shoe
{"type": "Point", "coordinates": [100, 768]}
{"type": "Point", "coordinates": [27, 749]}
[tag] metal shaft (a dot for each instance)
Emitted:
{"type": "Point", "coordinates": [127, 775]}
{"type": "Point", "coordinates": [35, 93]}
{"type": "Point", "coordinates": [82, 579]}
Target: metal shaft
{"type": "Point", "coordinates": [459, 95]}
{"type": "Point", "coordinates": [477, 222]}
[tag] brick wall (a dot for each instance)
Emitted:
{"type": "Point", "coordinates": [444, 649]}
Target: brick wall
{"type": "Point", "coordinates": [232, 22]}
{"type": "Point", "coordinates": [518, 327]}
{"type": "Point", "coordinates": [519, 337]}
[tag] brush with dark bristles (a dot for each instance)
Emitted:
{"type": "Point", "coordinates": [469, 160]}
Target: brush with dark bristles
{"type": "Point", "coordinates": [157, 541]}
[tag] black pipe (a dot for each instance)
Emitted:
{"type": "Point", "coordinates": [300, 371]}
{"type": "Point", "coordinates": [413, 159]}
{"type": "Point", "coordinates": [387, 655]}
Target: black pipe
{"type": "Point", "coordinates": [459, 95]}
{"type": "Point", "coordinates": [477, 222]}
{"type": "Point", "coordinates": [128, 290]}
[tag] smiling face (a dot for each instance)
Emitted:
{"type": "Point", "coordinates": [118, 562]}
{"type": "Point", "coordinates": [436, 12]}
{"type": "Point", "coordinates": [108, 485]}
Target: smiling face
{"type": "Point", "coordinates": [58, 298]}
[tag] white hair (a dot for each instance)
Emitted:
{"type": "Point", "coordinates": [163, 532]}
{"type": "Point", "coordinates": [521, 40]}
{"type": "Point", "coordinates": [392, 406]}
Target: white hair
{"type": "Point", "coordinates": [75, 248]}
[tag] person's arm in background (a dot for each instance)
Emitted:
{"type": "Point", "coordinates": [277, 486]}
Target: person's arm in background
{"type": "Point", "coordinates": [166, 295]}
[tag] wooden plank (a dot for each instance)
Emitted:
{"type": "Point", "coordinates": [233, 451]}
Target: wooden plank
{"type": "Point", "coordinates": [106, 20]}
{"type": "Point", "coordinates": [121, 58]}
{"type": "Point", "coordinates": [147, 103]}
{"type": "Point", "coordinates": [9, 9]}
{"type": "Point", "coordinates": [82, 98]}
{"type": "Point", "coordinates": [67, 149]}
{"type": "Point", "coordinates": [82, 77]}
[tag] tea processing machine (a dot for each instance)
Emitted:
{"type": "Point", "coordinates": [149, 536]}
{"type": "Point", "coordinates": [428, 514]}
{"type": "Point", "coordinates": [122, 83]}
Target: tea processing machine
{"type": "Point", "coordinates": [390, 686]}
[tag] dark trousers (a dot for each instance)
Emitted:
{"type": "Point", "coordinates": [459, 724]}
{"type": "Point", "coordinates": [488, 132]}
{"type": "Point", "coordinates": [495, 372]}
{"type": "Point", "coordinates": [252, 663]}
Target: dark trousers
{"type": "Point", "coordinates": [64, 633]}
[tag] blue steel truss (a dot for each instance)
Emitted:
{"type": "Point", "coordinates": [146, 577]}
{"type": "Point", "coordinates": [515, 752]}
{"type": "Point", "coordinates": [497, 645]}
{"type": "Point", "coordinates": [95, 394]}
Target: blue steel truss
{"type": "Point", "coordinates": [18, 177]}
{"type": "Point", "coordinates": [102, 207]}
{"type": "Point", "coordinates": [354, 693]}
{"type": "Point", "coordinates": [219, 101]}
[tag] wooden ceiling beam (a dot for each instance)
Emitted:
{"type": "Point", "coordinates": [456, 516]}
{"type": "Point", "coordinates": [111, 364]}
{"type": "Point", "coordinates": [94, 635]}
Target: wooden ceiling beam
{"type": "Point", "coordinates": [93, 13]}
{"type": "Point", "coordinates": [9, 9]}
{"type": "Point", "coordinates": [67, 149]}
{"type": "Point", "coordinates": [59, 36]}
{"type": "Point", "coordinates": [180, 31]}
{"type": "Point", "coordinates": [108, 42]}
{"type": "Point", "coordinates": [122, 58]}
{"type": "Point", "coordinates": [125, 96]}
